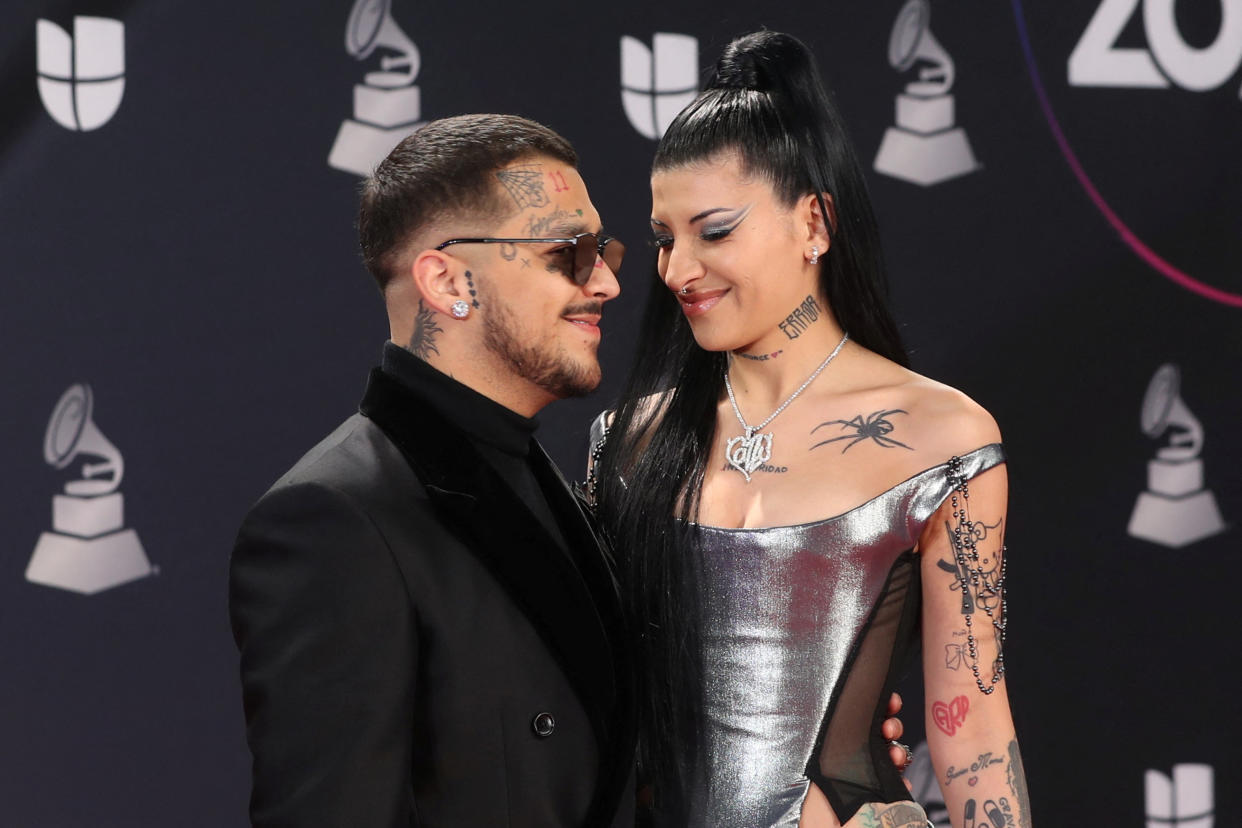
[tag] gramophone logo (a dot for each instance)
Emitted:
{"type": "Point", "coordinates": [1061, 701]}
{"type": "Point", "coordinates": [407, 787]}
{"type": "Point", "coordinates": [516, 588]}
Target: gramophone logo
{"type": "Point", "coordinates": [658, 82]}
{"type": "Point", "coordinates": [1184, 801]}
{"type": "Point", "coordinates": [387, 106]}
{"type": "Point", "coordinates": [1176, 510]}
{"type": "Point", "coordinates": [924, 147]}
{"type": "Point", "coordinates": [81, 78]}
{"type": "Point", "coordinates": [88, 549]}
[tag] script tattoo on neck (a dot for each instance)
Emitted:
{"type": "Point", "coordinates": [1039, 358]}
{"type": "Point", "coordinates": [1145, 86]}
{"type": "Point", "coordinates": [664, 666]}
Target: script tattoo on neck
{"type": "Point", "coordinates": [524, 183]}
{"type": "Point", "coordinates": [423, 342]}
{"type": "Point", "coordinates": [760, 357]}
{"type": "Point", "coordinates": [801, 318]}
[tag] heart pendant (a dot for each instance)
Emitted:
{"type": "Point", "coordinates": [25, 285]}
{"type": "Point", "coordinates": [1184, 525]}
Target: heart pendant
{"type": "Point", "coordinates": [748, 452]}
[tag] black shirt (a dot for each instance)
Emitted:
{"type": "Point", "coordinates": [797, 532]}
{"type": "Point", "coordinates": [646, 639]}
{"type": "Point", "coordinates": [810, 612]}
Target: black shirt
{"type": "Point", "coordinates": [503, 437]}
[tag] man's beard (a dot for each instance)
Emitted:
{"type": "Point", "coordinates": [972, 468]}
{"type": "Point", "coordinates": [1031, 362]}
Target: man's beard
{"type": "Point", "coordinates": [545, 363]}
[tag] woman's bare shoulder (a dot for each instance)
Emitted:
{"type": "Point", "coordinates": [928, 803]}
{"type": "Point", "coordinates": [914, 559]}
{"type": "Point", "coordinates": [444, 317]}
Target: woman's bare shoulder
{"type": "Point", "coordinates": [946, 417]}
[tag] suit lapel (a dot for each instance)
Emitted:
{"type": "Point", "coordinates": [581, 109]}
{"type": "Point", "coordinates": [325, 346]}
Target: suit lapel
{"type": "Point", "coordinates": [538, 575]}
{"type": "Point", "coordinates": [584, 544]}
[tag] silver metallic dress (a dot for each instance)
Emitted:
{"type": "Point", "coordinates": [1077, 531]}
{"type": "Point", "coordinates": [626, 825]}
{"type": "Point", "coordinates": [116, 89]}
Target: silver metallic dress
{"type": "Point", "coordinates": [805, 631]}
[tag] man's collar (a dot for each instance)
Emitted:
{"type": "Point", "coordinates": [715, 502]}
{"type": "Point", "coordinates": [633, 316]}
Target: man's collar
{"type": "Point", "coordinates": [480, 417]}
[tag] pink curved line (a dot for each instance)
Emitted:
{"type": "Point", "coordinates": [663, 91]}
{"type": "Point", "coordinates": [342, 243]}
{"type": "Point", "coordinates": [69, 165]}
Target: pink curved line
{"type": "Point", "coordinates": [1153, 259]}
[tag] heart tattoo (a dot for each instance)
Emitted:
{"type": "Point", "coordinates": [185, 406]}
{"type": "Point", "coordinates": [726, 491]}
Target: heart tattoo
{"type": "Point", "coordinates": [949, 717]}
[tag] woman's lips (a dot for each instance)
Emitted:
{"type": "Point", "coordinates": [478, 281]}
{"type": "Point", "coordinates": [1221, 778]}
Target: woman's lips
{"type": "Point", "coordinates": [699, 302]}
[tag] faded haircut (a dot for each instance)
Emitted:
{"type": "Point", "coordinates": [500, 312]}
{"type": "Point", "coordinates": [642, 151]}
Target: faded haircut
{"type": "Point", "coordinates": [446, 171]}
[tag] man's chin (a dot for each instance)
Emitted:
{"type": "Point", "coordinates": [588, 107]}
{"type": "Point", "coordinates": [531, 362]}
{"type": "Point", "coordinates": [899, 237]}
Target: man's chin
{"type": "Point", "coordinates": [578, 381]}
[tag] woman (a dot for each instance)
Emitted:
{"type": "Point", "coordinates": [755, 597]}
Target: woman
{"type": "Point", "coordinates": [790, 501]}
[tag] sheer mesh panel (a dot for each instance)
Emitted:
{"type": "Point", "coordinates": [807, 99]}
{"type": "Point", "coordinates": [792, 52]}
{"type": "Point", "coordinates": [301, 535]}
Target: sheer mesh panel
{"type": "Point", "coordinates": [852, 765]}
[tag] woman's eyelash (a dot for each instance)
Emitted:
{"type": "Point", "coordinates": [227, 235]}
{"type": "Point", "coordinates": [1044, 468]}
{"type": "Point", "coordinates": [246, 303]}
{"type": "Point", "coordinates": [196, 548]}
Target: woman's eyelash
{"type": "Point", "coordinates": [716, 233]}
{"type": "Point", "coordinates": [661, 242]}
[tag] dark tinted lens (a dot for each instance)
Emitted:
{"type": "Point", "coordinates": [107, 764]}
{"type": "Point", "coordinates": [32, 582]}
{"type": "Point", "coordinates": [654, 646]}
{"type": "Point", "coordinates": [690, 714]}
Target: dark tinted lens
{"type": "Point", "coordinates": [614, 252]}
{"type": "Point", "coordinates": [586, 249]}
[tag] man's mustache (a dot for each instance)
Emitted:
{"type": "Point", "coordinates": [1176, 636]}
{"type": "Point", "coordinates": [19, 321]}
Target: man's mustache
{"type": "Point", "coordinates": [596, 308]}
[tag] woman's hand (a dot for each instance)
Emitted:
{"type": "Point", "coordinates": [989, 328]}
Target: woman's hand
{"type": "Point", "coordinates": [891, 729]}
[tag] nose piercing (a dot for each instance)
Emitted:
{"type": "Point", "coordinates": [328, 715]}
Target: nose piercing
{"type": "Point", "coordinates": [684, 290]}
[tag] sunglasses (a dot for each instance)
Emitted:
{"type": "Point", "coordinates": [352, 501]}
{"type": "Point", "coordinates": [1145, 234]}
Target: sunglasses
{"type": "Point", "coordinates": [585, 249]}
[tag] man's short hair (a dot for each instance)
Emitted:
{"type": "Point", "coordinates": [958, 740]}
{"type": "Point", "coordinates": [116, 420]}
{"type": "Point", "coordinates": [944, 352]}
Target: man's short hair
{"type": "Point", "coordinates": [445, 172]}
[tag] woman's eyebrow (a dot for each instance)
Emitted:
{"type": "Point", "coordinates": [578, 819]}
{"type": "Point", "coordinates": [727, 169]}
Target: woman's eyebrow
{"type": "Point", "coordinates": [711, 212]}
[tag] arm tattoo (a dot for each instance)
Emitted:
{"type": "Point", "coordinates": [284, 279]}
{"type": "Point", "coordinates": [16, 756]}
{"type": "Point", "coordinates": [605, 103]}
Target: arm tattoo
{"type": "Point", "coordinates": [950, 716]}
{"type": "Point", "coordinates": [968, 813]}
{"type": "Point", "coordinates": [875, 427]}
{"type": "Point", "coordinates": [525, 185]}
{"type": "Point", "coordinates": [980, 578]}
{"type": "Point", "coordinates": [961, 577]}
{"type": "Point", "coordinates": [955, 655]}
{"type": "Point", "coordinates": [1016, 777]}
{"type": "Point", "coordinates": [801, 318]}
{"type": "Point", "coordinates": [985, 761]}
{"type": "Point", "coordinates": [895, 815]}
{"type": "Point", "coordinates": [423, 342]}
{"type": "Point", "coordinates": [997, 813]}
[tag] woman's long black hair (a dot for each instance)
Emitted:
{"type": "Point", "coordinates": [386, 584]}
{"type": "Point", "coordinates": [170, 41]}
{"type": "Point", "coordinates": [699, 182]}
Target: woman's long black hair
{"type": "Point", "coordinates": [766, 103]}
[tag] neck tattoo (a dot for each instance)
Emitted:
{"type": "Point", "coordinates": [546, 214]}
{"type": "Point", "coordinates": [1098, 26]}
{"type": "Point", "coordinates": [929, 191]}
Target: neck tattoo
{"type": "Point", "coordinates": [759, 357]}
{"type": "Point", "coordinates": [801, 318]}
{"type": "Point", "coordinates": [753, 449]}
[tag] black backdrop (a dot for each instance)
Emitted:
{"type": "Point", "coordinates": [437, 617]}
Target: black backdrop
{"type": "Point", "coordinates": [194, 261]}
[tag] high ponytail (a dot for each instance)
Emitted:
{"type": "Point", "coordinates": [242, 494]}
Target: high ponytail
{"type": "Point", "coordinates": [766, 103]}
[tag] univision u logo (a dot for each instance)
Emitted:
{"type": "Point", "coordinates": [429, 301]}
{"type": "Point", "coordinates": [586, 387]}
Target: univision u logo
{"type": "Point", "coordinates": [1184, 801]}
{"type": "Point", "coordinates": [659, 82]}
{"type": "Point", "coordinates": [81, 78]}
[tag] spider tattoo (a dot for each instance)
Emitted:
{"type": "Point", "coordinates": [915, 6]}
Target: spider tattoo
{"type": "Point", "coordinates": [876, 427]}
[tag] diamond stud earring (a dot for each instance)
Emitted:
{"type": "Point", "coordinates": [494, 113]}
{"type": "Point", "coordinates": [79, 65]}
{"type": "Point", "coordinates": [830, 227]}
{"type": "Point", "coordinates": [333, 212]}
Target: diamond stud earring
{"type": "Point", "coordinates": [814, 255]}
{"type": "Point", "coordinates": [460, 309]}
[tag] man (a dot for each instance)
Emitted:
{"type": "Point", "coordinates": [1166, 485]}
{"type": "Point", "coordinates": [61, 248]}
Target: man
{"type": "Point", "coordinates": [429, 633]}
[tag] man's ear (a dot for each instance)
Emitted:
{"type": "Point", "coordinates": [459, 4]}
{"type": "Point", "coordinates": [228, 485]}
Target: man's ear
{"type": "Point", "coordinates": [439, 279]}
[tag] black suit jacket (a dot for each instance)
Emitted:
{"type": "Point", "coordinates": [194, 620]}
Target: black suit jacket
{"type": "Point", "coordinates": [404, 622]}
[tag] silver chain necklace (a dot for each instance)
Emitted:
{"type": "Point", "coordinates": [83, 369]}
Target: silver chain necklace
{"type": "Point", "coordinates": [750, 451]}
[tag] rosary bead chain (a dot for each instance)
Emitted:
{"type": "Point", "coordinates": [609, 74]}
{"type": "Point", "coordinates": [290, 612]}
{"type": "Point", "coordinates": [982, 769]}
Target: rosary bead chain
{"type": "Point", "coordinates": [972, 578]}
{"type": "Point", "coordinates": [592, 481]}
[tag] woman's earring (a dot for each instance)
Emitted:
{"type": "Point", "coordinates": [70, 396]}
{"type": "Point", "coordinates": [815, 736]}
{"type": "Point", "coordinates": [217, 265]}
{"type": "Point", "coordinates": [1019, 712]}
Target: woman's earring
{"type": "Point", "coordinates": [814, 255]}
{"type": "Point", "coordinates": [460, 309]}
